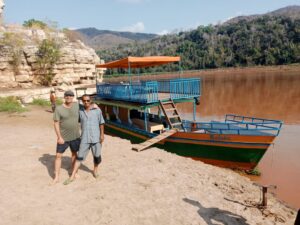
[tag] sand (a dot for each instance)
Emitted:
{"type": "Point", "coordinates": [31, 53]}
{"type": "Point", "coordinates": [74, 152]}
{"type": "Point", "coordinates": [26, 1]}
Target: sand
{"type": "Point", "coordinates": [150, 187]}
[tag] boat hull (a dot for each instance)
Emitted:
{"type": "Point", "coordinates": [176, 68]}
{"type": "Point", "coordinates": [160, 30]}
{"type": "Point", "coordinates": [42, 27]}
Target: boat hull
{"type": "Point", "coordinates": [231, 151]}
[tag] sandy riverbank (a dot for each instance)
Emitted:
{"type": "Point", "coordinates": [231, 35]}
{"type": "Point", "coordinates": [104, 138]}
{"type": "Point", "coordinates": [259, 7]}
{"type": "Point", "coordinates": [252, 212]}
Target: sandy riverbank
{"type": "Point", "coordinates": [151, 187]}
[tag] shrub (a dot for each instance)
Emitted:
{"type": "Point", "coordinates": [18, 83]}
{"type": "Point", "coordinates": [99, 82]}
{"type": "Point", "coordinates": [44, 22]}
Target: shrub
{"type": "Point", "coordinates": [254, 172]}
{"type": "Point", "coordinates": [59, 101]}
{"type": "Point", "coordinates": [16, 43]}
{"type": "Point", "coordinates": [48, 55]}
{"type": "Point", "coordinates": [10, 104]}
{"type": "Point", "coordinates": [32, 23]}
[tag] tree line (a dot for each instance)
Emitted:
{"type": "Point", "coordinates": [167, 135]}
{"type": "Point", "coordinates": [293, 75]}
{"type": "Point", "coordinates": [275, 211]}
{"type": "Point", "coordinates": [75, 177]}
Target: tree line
{"type": "Point", "coordinates": [267, 40]}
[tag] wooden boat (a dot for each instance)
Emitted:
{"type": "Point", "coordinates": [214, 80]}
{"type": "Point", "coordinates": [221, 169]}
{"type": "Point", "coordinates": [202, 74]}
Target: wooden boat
{"type": "Point", "coordinates": [237, 142]}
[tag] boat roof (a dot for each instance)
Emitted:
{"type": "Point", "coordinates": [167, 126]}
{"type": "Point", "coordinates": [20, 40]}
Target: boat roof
{"type": "Point", "coordinates": [139, 62]}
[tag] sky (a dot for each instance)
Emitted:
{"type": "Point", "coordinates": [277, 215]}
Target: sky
{"type": "Point", "coordinates": [146, 16]}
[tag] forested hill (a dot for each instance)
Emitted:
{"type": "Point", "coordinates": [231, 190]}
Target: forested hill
{"type": "Point", "coordinates": [271, 39]}
{"type": "Point", "coordinates": [105, 39]}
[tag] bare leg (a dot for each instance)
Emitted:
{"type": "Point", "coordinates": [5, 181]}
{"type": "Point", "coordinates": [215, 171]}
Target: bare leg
{"type": "Point", "coordinates": [74, 156]}
{"type": "Point", "coordinates": [57, 166]}
{"type": "Point", "coordinates": [95, 172]}
{"type": "Point", "coordinates": [75, 170]}
{"type": "Point", "coordinates": [73, 159]}
{"type": "Point", "coordinates": [73, 176]}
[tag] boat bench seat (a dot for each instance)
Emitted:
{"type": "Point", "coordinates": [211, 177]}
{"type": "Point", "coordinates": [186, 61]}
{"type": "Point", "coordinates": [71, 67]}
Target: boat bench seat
{"type": "Point", "coordinates": [151, 126]}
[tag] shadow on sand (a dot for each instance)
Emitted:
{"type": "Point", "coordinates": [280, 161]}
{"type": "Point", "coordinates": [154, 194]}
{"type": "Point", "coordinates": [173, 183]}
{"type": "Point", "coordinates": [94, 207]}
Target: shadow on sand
{"type": "Point", "coordinates": [48, 161]}
{"type": "Point", "coordinates": [214, 214]}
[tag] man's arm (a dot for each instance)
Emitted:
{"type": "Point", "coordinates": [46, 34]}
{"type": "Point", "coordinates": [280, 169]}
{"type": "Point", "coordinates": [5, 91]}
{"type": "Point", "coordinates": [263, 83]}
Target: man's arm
{"type": "Point", "coordinates": [93, 106]}
{"type": "Point", "coordinates": [101, 133]}
{"type": "Point", "coordinates": [60, 140]}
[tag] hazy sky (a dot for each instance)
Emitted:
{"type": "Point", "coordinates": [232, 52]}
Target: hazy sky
{"type": "Point", "coordinates": [149, 16]}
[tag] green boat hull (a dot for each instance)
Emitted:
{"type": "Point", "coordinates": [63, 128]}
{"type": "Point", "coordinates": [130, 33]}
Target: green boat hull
{"type": "Point", "coordinates": [232, 157]}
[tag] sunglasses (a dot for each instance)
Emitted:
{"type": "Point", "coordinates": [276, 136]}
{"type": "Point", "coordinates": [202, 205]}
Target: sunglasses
{"type": "Point", "coordinates": [86, 100]}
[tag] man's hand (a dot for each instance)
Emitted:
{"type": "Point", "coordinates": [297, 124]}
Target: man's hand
{"type": "Point", "coordinates": [95, 106]}
{"type": "Point", "coordinates": [101, 139]}
{"type": "Point", "coordinates": [60, 140]}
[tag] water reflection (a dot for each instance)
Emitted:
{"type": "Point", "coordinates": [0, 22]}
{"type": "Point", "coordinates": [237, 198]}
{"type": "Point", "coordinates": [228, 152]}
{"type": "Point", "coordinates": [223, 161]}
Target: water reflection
{"type": "Point", "coordinates": [268, 95]}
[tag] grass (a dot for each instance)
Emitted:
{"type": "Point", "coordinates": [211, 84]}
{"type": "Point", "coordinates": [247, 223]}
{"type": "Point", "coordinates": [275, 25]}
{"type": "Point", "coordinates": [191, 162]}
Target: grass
{"type": "Point", "coordinates": [254, 172]}
{"type": "Point", "coordinates": [40, 102]}
{"type": "Point", "coordinates": [44, 102]}
{"type": "Point", "coordinates": [11, 104]}
{"type": "Point", "coordinates": [59, 101]}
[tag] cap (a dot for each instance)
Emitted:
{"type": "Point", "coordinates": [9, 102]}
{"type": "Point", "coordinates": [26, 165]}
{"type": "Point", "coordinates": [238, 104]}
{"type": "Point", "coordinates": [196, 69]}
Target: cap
{"type": "Point", "coordinates": [69, 93]}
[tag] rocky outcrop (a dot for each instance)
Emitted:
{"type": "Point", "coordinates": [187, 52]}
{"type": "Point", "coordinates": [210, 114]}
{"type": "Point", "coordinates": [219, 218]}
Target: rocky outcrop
{"type": "Point", "coordinates": [1, 10]}
{"type": "Point", "coordinates": [75, 66]}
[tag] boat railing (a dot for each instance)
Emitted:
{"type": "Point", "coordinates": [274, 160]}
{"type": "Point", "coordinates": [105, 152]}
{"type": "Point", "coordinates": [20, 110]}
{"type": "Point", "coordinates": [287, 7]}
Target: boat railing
{"type": "Point", "coordinates": [145, 92]}
{"type": "Point", "coordinates": [184, 88]}
{"type": "Point", "coordinates": [148, 91]}
{"type": "Point", "coordinates": [240, 125]}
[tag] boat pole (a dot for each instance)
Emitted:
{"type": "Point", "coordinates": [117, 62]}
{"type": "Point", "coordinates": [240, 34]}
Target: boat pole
{"type": "Point", "coordinates": [180, 69]}
{"type": "Point", "coordinates": [145, 118]}
{"type": "Point", "coordinates": [130, 85]}
{"type": "Point", "coordinates": [129, 72]}
{"type": "Point", "coordinates": [264, 191]}
{"type": "Point", "coordinates": [194, 110]}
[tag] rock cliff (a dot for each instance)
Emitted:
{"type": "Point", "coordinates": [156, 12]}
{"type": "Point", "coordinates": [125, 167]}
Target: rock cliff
{"type": "Point", "coordinates": [18, 62]}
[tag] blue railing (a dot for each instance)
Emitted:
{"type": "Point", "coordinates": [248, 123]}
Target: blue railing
{"type": "Point", "coordinates": [164, 86]}
{"type": "Point", "coordinates": [143, 92]}
{"type": "Point", "coordinates": [148, 91]}
{"type": "Point", "coordinates": [185, 88]}
{"type": "Point", "coordinates": [235, 124]}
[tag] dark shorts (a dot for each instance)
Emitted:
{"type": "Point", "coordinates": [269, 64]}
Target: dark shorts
{"type": "Point", "coordinates": [74, 146]}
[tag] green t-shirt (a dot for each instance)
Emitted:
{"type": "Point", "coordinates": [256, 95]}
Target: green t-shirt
{"type": "Point", "coordinates": [68, 121]}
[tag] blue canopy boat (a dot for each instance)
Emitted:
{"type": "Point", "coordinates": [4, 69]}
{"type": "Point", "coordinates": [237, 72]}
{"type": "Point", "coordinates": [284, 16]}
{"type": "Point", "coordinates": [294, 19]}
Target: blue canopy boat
{"type": "Point", "coordinates": [236, 142]}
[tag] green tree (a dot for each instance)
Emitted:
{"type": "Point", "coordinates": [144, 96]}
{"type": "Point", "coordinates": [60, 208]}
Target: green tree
{"type": "Point", "coordinates": [32, 23]}
{"type": "Point", "coordinates": [47, 55]}
{"type": "Point", "coordinates": [265, 40]}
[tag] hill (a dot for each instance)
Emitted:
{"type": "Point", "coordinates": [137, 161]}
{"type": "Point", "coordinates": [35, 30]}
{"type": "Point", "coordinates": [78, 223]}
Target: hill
{"type": "Point", "coordinates": [292, 12]}
{"type": "Point", "coordinates": [269, 39]}
{"type": "Point", "coordinates": [106, 39]}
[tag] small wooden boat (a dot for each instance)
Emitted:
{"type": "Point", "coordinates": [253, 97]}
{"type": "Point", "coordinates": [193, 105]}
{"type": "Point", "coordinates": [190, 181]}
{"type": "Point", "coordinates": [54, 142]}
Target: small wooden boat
{"type": "Point", "coordinates": [237, 142]}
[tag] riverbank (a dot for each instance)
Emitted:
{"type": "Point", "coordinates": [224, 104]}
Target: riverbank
{"type": "Point", "coordinates": [150, 187]}
{"type": "Point", "coordinates": [221, 71]}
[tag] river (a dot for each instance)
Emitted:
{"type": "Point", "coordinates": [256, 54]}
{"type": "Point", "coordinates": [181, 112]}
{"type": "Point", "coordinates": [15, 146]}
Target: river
{"type": "Point", "coordinates": [266, 93]}
{"type": "Point", "coordinates": [273, 95]}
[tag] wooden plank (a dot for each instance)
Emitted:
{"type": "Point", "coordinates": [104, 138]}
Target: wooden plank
{"type": "Point", "coordinates": [170, 109]}
{"type": "Point", "coordinates": [176, 124]}
{"type": "Point", "coordinates": [168, 102]}
{"type": "Point", "coordinates": [152, 141]}
{"type": "Point", "coordinates": [174, 116]}
{"type": "Point", "coordinates": [151, 125]}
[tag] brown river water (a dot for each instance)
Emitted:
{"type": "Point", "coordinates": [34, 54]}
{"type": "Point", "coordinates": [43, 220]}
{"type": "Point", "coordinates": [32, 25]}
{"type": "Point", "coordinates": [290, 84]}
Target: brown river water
{"type": "Point", "coordinates": [273, 95]}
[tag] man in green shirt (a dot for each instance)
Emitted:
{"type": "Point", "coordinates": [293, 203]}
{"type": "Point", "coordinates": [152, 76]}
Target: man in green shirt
{"type": "Point", "coordinates": [67, 130]}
